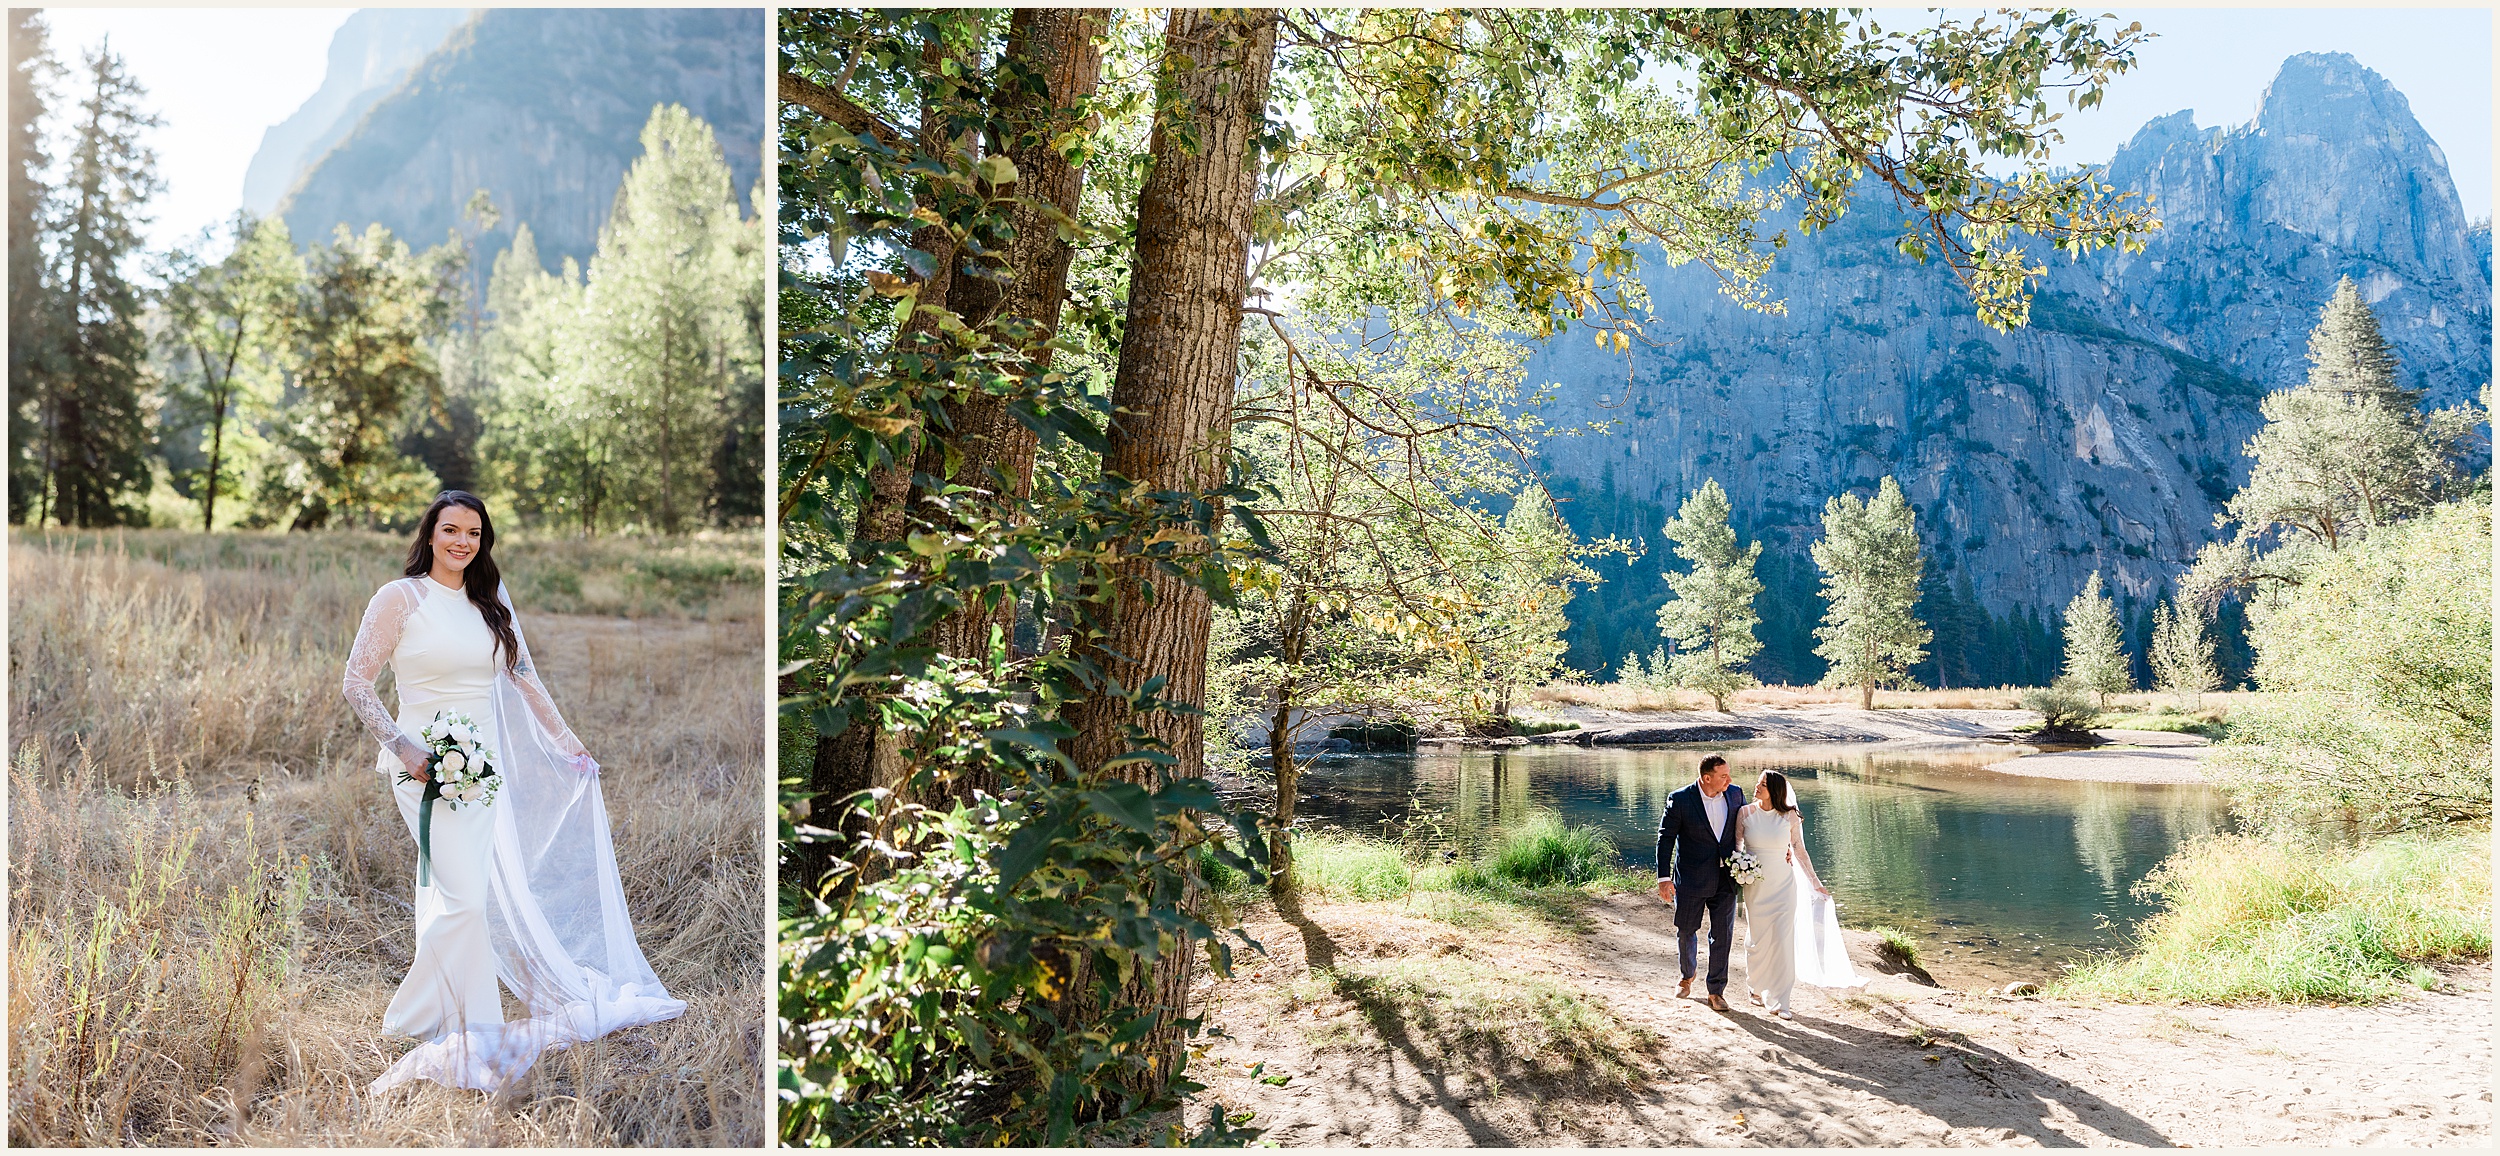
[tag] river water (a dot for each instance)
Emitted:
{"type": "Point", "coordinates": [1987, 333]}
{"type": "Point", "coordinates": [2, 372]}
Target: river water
{"type": "Point", "coordinates": [1995, 874]}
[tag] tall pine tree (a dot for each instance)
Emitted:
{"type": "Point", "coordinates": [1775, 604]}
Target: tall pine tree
{"type": "Point", "coordinates": [667, 314]}
{"type": "Point", "coordinates": [32, 309]}
{"type": "Point", "coordinates": [1870, 561]}
{"type": "Point", "coordinates": [1711, 616]}
{"type": "Point", "coordinates": [2349, 358]}
{"type": "Point", "coordinates": [2096, 659]}
{"type": "Point", "coordinates": [92, 430]}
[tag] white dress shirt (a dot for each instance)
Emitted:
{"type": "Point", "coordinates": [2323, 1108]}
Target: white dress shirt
{"type": "Point", "coordinates": [1715, 808]}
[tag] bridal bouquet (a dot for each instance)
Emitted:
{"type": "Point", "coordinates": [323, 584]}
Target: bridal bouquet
{"type": "Point", "coordinates": [1743, 866]}
{"type": "Point", "coordinates": [460, 768]}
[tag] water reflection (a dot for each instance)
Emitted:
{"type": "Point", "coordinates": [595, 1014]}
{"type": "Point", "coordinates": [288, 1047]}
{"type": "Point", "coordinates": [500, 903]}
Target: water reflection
{"type": "Point", "coordinates": [2028, 872]}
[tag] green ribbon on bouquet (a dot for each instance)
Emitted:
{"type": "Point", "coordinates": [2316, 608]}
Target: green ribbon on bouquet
{"type": "Point", "coordinates": [425, 829]}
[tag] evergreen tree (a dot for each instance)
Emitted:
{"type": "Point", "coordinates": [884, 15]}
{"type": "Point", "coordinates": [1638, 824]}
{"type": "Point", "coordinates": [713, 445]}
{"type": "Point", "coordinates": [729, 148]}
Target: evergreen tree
{"type": "Point", "coordinates": [1870, 561]}
{"type": "Point", "coordinates": [2182, 655]}
{"type": "Point", "coordinates": [2349, 358]}
{"type": "Point", "coordinates": [1514, 636]}
{"type": "Point", "coordinates": [33, 311]}
{"type": "Point", "coordinates": [547, 429]}
{"type": "Point", "coordinates": [2096, 659]}
{"type": "Point", "coordinates": [92, 430]}
{"type": "Point", "coordinates": [635, 393]}
{"type": "Point", "coordinates": [2348, 451]}
{"type": "Point", "coordinates": [1711, 616]}
{"type": "Point", "coordinates": [669, 333]}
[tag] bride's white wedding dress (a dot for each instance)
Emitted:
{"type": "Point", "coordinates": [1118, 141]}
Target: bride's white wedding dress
{"type": "Point", "coordinates": [1792, 933]}
{"type": "Point", "coordinates": [522, 890]}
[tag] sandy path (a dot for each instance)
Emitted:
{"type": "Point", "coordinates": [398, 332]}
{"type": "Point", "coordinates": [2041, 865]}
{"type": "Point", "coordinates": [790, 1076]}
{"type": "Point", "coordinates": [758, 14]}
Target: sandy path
{"type": "Point", "coordinates": [1898, 1064]}
{"type": "Point", "coordinates": [1814, 724]}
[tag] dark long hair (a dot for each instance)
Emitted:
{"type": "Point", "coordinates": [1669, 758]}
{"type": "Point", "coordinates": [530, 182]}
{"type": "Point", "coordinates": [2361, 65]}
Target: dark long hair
{"type": "Point", "coordinates": [481, 580]}
{"type": "Point", "coordinates": [1775, 793]}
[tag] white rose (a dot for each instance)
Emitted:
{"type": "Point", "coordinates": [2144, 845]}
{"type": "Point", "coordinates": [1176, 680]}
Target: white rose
{"type": "Point", "coordinates": [472, 792]}
{"type": "Point", "coordinates": [453, 762]}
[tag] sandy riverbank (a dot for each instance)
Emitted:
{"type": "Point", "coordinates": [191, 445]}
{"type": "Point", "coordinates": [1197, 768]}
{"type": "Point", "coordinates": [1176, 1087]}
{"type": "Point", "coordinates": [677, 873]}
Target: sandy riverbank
{"type": "Point", "coordinates": [2131, 757]}
{"type": "Point", "coordinates": [1487, 1025]}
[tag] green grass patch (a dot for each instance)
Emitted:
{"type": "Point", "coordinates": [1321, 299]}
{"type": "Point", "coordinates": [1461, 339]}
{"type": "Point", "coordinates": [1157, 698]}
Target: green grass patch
{"type": "Point", "coordinates": [1546, 852]}
{"type": "Point", "coordinates": [1541, 726]}
{"type": "Point", "coordinates": [1898, 943]}
{"type": "Point", "coordinates": [2250, 920]}
{"type": "Point", "coordinates": [1543, 864]}
{"type": "Point", "coordinates": [1332, 865]}
{"type": "Point", "coordinates": [1230, 884]}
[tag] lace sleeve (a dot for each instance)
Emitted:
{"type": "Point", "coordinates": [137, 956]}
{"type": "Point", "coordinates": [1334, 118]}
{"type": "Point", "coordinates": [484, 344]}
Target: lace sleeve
{"type": "Point", "coordinates": [376, 638]}
{"type": "Point", "coordinates": [525, 676]}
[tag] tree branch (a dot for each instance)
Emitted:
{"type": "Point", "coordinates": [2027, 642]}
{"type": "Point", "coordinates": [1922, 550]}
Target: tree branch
{"type": "Point", "coordinates": [833, 106]}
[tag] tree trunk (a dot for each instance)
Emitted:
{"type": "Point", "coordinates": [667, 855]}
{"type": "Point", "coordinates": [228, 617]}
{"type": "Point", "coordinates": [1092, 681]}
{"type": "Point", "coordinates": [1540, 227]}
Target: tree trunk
{"type": "Point", "coordinates": [1288, 785]}
{"type": "Point", "coordinates": [1173, 397]}
{"type": "Point", "coordinates": [1064, 46]}
{"type": "Point", "coordinates": [862, 755]}
{"type": "Point", "coordinates": [1179, 360]}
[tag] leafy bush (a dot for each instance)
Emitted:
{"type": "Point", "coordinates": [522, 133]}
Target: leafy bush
{"type": "Point", "coordinates": [969, 973]}
{"type": "Point", "coordinates": [2378, 672]}
{"type": "Point", "coordinates": [2062, 706]}
{"type": "Point", "coordinates": [2256, 920]}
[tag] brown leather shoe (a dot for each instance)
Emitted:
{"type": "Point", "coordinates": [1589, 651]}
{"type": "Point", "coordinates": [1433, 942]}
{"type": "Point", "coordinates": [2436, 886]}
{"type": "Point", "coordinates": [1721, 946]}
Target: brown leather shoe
{"type": "Point", "coordinates": [1684, 990]}
{"type": "Point", "coordinates": [1717, 1004]}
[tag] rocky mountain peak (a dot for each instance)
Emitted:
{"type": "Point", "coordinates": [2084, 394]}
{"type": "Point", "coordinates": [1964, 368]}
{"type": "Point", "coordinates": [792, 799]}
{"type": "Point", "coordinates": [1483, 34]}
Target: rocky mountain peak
{"type": "Point", "coordinates": [2333, 97]}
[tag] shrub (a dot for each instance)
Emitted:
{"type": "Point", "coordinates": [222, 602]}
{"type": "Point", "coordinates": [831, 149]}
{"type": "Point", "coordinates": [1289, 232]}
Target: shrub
{"type": "Point", "coordinates": [2256, 920]}
{"type": "Point", "coordinates": [2062, 706]}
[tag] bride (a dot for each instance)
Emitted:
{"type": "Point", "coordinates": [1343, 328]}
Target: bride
{"type": "Point", "coordinates": [521, 888]}
{"type": "Point", "coordinates": [1789, 935]}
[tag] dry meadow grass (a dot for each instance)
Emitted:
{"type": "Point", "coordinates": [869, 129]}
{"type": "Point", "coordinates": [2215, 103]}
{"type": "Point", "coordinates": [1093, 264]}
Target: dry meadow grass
{"type": "Point", "coordinates": [209, 889]}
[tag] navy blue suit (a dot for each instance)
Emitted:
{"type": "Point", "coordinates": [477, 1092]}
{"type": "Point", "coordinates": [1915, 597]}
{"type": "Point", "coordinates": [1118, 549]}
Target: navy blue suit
{"type": "Point", "coordinates": [1690, 853]}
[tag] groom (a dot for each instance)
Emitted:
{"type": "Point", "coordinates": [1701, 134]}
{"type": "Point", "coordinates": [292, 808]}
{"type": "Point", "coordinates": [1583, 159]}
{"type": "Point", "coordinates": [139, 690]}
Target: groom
{"type": "Point", "coordinates": [1695, 838]}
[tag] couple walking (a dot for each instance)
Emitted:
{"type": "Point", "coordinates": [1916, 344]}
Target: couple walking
{"type": "Point", "coordinates": [1792, 931]}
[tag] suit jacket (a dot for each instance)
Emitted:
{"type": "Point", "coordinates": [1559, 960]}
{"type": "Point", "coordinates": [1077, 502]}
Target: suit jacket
{"type": "Point", "coordinates": [1687, 850]}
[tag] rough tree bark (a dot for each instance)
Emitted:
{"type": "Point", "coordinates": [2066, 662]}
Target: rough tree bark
{"type": "Point", "coordinates": [1171, 400]}
{"type": "Point", "coordinates": [1064, 46]}
{"type": "Point", "coordinates": [1178, 363]}
{"type": "Point", "coordinates": [862, 755]}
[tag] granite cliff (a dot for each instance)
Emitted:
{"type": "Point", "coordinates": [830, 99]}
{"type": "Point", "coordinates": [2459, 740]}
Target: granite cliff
{"type": "Point", "coordinates": [369, 56]}
{"type": "Point", "coordinates": [543, 108]}
{"type": "Point", "coordinates": [2103, 436]}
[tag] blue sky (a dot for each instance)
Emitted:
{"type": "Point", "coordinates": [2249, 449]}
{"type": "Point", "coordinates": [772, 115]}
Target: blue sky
{"type": "Point", "coordinates": [221, 76]}
{"type": "Point", "coordinates": [218, 78]}
{"type": "Point", "coordinates": [2218, 61]}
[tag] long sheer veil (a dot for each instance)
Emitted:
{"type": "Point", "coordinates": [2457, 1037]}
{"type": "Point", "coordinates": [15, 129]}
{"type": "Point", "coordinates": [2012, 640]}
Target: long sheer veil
{"type": "Point", "coordinates": [563, 942]}
{"type": "Point", "coordinates": [1822, 958]}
